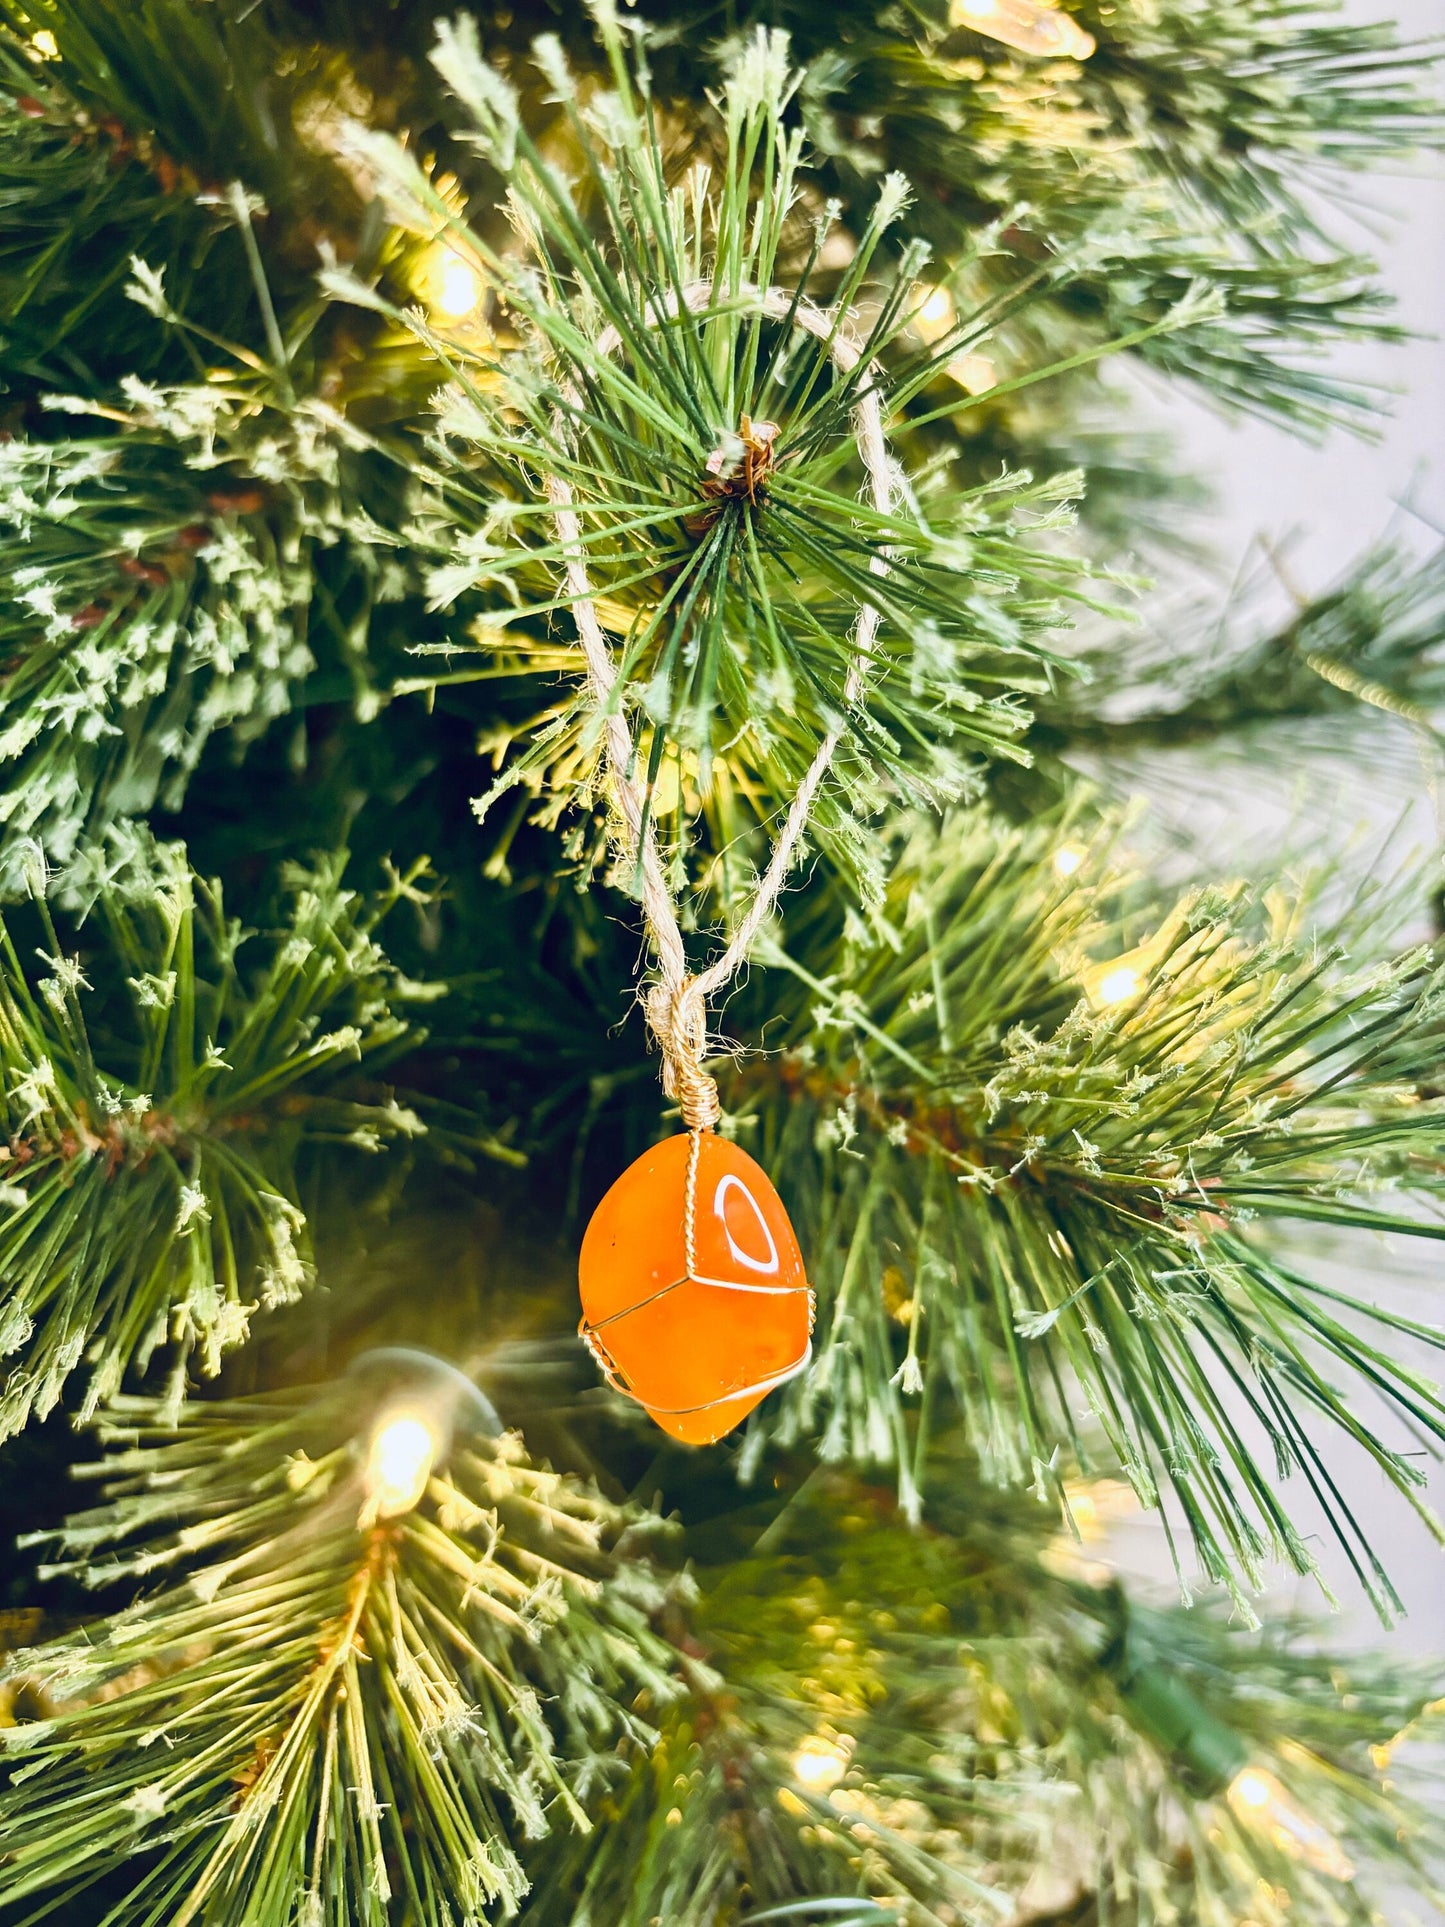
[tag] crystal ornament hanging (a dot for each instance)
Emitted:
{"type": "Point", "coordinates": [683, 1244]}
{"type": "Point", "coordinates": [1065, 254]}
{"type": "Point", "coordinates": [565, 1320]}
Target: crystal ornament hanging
{"type": "Point", "coordinates": [1026, 26]}
{"type": "Point", "coordinates": [694, 1298]}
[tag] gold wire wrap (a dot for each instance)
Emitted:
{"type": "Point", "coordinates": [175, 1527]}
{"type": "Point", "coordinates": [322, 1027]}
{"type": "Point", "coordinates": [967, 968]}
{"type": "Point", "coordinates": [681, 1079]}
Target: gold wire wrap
{"type": "Point", "coordinates": [589, 1331]}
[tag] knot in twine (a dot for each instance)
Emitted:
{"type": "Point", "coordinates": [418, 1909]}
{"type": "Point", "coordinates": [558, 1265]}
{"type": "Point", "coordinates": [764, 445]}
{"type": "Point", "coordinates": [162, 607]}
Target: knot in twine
{"type": "Point", "coordinates": [677, 1017]}
{"type": "Point", "coordinates": [677, 1001]}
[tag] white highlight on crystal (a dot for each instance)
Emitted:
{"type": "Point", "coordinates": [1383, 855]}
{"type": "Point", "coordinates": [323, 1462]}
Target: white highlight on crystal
{"type": "Point", "coordinates": [732, 1182]}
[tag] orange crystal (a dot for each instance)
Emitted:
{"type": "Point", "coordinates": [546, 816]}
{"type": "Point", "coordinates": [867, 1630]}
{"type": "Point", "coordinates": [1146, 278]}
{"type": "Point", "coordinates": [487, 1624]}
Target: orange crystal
{"type": "Point", "coordinates": [697, 1346]}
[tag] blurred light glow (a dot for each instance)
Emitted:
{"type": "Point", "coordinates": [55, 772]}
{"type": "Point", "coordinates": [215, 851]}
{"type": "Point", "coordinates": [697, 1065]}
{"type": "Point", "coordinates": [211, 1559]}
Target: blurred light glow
{"type": "Point", "coordinates": [1118, 985]}
{"type": "Point", "coordinates": [45, 44]}
{"type": "Point", "coordinates": [934, 315]}
{"type": "Point", "coordinates": [1068, 859]}
{"type": "Point", "coordinates": [1258, 1801]}
{"type": "Point", "coordinates": [975, 374]}
{"type": "Point", "coordinates": [1097, 1504]}
{"type": "Point", "coordinates": [1026, 26]}
{"type": "Point", "coordinates": [399, 1463]}
{"type": "Point", "coordinates": [448, 283]}
{"type": "Point", "coordinates": [820, 1763]}
{"type": "Point", "coordinates": [937, 308]}
{"type": "Point", "coordinates": [460, 289]}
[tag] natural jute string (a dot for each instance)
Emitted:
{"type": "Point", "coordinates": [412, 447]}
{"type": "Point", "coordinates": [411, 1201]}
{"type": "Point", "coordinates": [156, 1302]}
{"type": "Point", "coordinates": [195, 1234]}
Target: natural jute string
{"type": "Point", "coordinates": [677, 1001]}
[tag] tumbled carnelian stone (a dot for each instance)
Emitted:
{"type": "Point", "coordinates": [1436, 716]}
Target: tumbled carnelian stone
{"type": "Point", "coordinates": [740, 1320]}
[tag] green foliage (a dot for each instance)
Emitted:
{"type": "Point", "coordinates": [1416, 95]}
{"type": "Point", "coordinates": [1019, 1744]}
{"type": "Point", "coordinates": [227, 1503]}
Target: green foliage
{"type": "Point", "coordinates": [160, 1080]}
{"type": "Point", "coordinates": [78, 201]}
{"type": "Point", "coordinates": [1201, 140]}
{"type": "Point", "coordinates": [1374, 641]}
{"type": "Point", "coordinates": [1042, 1160]}
{"type": "Point", "coordinates": [1277, 96]}
{"type": "Point", "coordinates": [731, 564]}
{"type": "Point", "coordinates": [1198, 140]}
{"type": "Point", "coordinates": [416, 1716]}
{"type": "Point", "coordinates": [141, 611]}
{"type": "Point", "coordinates": [1050, 1144]}
{"type": "Point", "coordinates": [324, 1716]}
{"type": "Point", "coordinates": [182, 572]}
{"type": "Point", "coordinates": [210, 528]}
{"type": "Point", "coordinates": [901, 1714]}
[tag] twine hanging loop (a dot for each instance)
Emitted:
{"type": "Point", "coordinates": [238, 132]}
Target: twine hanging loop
{"type": "Point", "coordinates": [677, 1001]}
{"type": "Point", "coordinates": [677, 1018]}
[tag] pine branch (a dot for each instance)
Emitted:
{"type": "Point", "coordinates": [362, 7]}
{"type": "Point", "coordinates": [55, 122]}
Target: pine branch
{"type": "Point", "coordinates": [1196, 140]}
{"type": "Point", "coordinates": [324, 1710]}
{"type": "Point", "coordinates": [1048, 1182]}
{"type": "Point", "coordinates": [901, 1712]}
{"type": "Point", "coordinates": [1267, 352]}
{"type": "Point", "coordinates": [1373, 642]}
{"type": "Point", "coordinates": [1201, 140]}
{"type": "Point", "coordinates": [731, 577]}
{"type": "Point", "coordinates": [178, 573]}
{"type": "Point", "coordinates": [159, 1082]}
{"type": "Point", "coordinates": [325, 1715]}
{"type": "Point", "coordinates": [1275, 96]}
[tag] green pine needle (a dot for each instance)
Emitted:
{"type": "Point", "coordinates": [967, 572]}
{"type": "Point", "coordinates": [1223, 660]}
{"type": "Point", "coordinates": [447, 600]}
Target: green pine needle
{"type": "Point", "coordinates": [160, 1075]}
{"type": "Point", "coordinates": [1044, 1163]}
{"type": "Point", "coordinates": [324, 1717]}
{"type": "Point", "coordinates": [729, 570]}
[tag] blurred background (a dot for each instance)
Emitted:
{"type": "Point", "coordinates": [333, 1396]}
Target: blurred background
{"type": "Point", "coordinates": [1287, 520]}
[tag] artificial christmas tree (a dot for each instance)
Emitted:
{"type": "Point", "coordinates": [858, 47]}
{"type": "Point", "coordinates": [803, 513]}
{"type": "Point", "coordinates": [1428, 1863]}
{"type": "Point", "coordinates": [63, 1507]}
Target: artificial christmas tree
{"type": "Point", "coordinates": [538, 549]}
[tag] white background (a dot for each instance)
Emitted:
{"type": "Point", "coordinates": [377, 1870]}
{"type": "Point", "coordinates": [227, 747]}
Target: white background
{"type": "Point", "coordinates": [1323, 506]}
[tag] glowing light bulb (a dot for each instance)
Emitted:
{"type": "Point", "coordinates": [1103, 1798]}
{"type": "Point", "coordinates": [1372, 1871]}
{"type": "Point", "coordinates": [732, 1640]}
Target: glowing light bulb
{"type": "Point", "coordinates": [1026, 26]}
{"type": "Point", "coordinates": [460, 290]}
{"type": "Point", "coordinates": [1068, 859]}
{"type": "Point", "coordinates": [820, 1763]}
{"type": "Point", "coordinates": [934, 315]}
{"type": "Point", "coordinates": [398, 1465]}
{"type": "Point", "coordinates": [448, 283]}
{"type": "Point", "coordinates": [1117, 986]}
{"type": "Point", "coordinates": [1097, 1504]}
{"type": "Point", "coordinates": [45, 44]}
{"type": "Point", "coordinates": [1258, 1801]}
{"type": "Point", "coordinates": [937, 310]}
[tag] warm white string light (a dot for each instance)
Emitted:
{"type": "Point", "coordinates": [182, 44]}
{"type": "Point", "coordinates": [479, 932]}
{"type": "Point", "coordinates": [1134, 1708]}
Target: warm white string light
{"type": "Point", "coordinates": [449, 284]}
{"type": "Point", "coordinates": [461, 289]}
{"type": "Point", "coordinates": [1026, 26]}
{"type": "Point", "coordinates": [398, 1464]}
{"type": "Point", "coordinates": [1117, 985]}
{"type": "Point", "coordinates": [936, 316]}
{"type": "Point", "coordinates": [975, 374]}
{"type": "Point", "coordinates": [820, 1763]}
{"type": "Point", "coordinates": [1258, 1801]}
